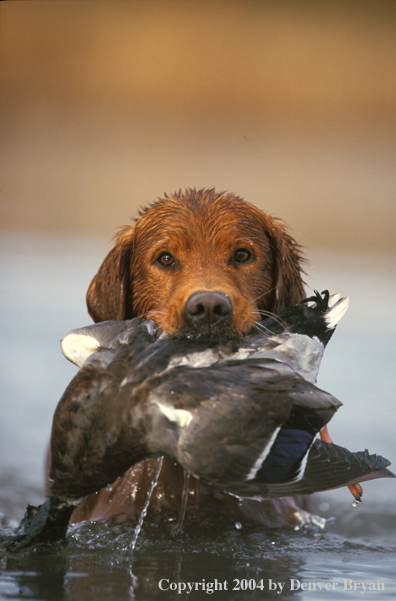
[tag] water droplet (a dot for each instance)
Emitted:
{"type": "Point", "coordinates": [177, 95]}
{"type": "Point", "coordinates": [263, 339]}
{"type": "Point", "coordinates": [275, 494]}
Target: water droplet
{"type": "Point", "coordinates": [146, 505]}
{"type": "Point", "coordinates": [238, 526]}
{"type": "Point", "coordinates": [355, 503]}
{"type": "Point", "coordinates": [183, 507]}
{"type": "Point", "coordinates": [109, 487]}
{"type": "Point", "coordinates": [273, 542]}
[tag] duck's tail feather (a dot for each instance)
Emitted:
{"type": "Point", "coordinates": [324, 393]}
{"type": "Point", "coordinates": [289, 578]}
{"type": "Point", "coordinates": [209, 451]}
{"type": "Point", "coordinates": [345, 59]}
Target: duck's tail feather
{"type": "Point", "coordinates": [331, 466]}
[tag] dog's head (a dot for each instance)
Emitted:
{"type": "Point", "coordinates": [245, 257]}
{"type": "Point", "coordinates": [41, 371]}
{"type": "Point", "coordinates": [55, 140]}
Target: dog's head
{"type": "Point", "coordinates": [199, 264]}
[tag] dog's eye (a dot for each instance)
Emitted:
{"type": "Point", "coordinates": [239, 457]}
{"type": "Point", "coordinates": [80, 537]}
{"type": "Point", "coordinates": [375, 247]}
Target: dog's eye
{"type": "Point", "coordinates": [165, 259]}
{"type": "Point", "coordinates": [242, 255]}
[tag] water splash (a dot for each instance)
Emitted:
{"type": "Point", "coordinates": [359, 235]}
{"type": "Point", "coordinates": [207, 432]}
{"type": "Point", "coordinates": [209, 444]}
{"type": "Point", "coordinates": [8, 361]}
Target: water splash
{"type": "Point", "coordinates": [184, 500]}
{"type": "Point", "coordinates": [143, 514]}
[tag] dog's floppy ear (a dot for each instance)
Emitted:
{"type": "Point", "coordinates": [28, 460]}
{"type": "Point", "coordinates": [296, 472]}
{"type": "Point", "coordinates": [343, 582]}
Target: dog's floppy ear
{"type": "Point", "coordinates": [288, 259]}
{"type": "Point", "coordinates": [109, 295]}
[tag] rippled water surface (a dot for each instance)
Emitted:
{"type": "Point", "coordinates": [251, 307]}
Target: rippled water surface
{"type": "Point", "coordinates": [42, 289]}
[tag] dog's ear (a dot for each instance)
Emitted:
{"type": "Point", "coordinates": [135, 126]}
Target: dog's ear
{"type": "Point", "coordinates": [288, 271]}
{"type": "Point", "coordinates": [109, 295]}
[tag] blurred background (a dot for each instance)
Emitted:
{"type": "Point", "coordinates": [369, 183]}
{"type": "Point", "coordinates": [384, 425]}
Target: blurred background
{"type": "Point", "coordinates": [291, 105]}
{"type": "Point", "coordinates": [107, 105]}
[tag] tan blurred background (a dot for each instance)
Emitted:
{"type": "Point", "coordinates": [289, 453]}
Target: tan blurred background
{"type": "Point", "coordinates": [292, 105]}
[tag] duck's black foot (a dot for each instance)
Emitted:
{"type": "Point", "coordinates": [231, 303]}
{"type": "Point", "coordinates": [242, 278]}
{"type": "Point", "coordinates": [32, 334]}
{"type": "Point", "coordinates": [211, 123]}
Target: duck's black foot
{"type": "Point", "coordinates": [321, 300]}
{"type": "Point", "coordinates": [46, 523]}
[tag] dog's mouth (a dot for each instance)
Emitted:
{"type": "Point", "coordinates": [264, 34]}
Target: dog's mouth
{"type": "Point", "coordinates": [221, 332]}
{"type": "Point", "coordinates": [207, 315]}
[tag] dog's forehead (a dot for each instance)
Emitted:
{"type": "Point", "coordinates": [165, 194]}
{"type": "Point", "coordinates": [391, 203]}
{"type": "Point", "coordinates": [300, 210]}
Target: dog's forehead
{"type": "Point", "coordinates": [188, 226]}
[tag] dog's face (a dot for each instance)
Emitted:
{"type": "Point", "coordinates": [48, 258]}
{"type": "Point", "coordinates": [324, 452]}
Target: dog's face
{"type": "Point", "coordinates": [201, 272]}
{"type": "Point", "coordinates": [199, 264]}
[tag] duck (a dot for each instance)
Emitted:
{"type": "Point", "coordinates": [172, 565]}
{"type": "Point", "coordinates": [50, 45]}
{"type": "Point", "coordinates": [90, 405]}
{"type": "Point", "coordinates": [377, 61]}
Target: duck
{"type": "Point", "coordinates": [244, 415]}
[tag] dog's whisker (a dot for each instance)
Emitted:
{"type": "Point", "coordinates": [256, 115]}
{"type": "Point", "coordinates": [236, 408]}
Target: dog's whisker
{"type": "Point", "coordinates": [261, 314]}
{"type": "Point", "coordinates": [262, 295]}
{"type": "Point", "coordinates": [262, 328]}
{"type": "Point", "coordinates": [273, 316]}
{"type": "Point", "coordinates": [161, 301]}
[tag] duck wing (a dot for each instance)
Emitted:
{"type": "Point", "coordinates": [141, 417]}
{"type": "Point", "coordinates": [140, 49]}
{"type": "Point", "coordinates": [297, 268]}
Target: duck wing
{"type": "Point", "coordinates": [330, 466]}
{"type": "Point", "coordinates": [237, 419]}
{"type": "Point", "coordinates": [250, 428]}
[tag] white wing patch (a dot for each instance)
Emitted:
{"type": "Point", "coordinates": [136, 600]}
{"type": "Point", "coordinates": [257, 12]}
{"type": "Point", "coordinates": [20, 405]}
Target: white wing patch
{"type": "Point", "coordinates": [303, 465]}
{"type": "Point", "coordinates": [179, 416]}
{"type": "Point", "coordinates": [264, 453]}
{"type": "Point", "coordinates": [209, 357]}
{"type": "Point", "coordinates": [199, 359]}
{"type": "Point", "coordinates": [78, 347]}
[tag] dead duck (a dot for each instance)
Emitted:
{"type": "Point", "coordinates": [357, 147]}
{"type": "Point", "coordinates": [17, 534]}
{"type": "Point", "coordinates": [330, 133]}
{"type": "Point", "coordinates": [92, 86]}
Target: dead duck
{"type": "Point", "coordinates": [241, 414]}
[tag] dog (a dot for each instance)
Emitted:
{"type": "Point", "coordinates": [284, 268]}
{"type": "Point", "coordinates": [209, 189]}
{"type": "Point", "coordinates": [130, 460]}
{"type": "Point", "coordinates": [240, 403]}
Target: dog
{"type": "Point", "coordinates": [201, 264]}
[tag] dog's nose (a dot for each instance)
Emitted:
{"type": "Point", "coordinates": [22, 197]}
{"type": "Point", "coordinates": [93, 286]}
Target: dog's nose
{"type": "Point", "coordinates": [208, 307]}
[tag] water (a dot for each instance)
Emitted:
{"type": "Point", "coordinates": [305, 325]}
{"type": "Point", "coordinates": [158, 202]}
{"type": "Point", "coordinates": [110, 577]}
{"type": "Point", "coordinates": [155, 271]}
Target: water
{"type": "Point", "coordinates": [42, 289]}
{"type": "Point", "coordinates": [143, 514]}
{"type": "Point", "coordinates": [183, 507]}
